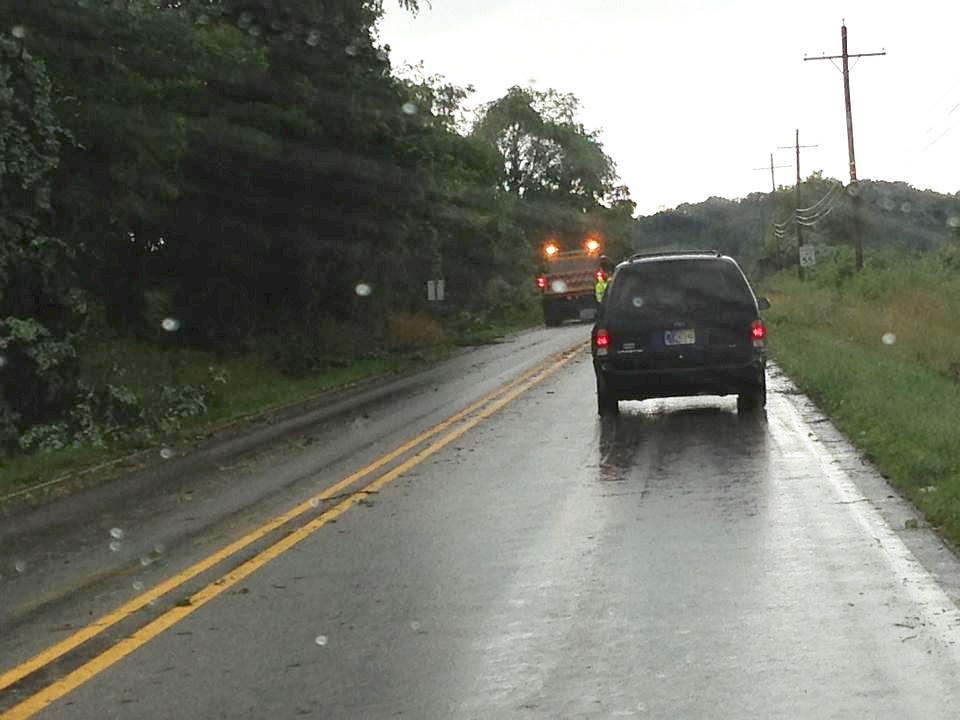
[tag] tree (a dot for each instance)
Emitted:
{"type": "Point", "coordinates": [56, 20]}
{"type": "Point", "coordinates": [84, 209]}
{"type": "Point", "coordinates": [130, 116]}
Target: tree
{"type": "Point", "coordinates": [553, 166]}
{"type": "Point", "coordinates": [40, 307]}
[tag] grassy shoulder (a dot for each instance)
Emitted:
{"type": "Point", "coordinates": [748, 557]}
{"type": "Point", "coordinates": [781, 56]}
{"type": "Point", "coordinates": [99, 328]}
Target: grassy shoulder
{"type": "Point", "coordinates": [879, 353]}
{"type": "Point", "coordinates": [235, 389]}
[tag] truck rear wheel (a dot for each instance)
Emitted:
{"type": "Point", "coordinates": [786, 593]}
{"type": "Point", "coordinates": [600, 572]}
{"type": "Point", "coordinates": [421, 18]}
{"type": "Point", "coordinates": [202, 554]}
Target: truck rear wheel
{"type": "Point", "coordinates": [551, 316]}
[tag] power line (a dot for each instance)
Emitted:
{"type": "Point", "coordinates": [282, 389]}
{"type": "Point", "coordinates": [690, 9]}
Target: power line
{"type": "Point", "coordinates": [828, 196]}
{"type": "Point", "coordinates": [949, 113]}
{"type": "Point", "coordinates": [934, 141]}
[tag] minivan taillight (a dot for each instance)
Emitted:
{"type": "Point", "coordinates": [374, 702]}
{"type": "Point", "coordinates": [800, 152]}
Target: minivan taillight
{"type": "Point", "coordinates": [541, 282]}
{"type": "Point", "coordinates": [757, 333]}
{"type": "Point", "coordinates": [601, 342]}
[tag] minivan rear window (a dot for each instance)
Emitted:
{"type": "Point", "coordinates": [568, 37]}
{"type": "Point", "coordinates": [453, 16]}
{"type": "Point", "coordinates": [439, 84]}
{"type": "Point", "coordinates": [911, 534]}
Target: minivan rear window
{"type": "Point", "coordinates": [680, 286]}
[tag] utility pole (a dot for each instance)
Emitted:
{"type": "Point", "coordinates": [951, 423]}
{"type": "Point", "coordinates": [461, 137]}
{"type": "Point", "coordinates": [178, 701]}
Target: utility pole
{"type": "Point", "coordinates": [797, 145]}
{"type": "Point", "coordinates": [857, 200]}
{"type": "Point", "coordinates": [773, 181]}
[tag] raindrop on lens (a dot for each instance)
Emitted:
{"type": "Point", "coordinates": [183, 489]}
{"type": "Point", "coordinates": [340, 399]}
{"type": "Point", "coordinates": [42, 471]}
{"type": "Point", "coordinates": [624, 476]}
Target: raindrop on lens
{"type": "Point", "coordinates": [314, 503]}
{"type": "Point", "coordinates": [889, 338]}
{"type": "Point", "coordinates": [321, 640]}
{"type": "Point", "coordinates": [3, 361]}
{"type": "Point", "coordinates": [409, 108]}
{"type": "Point", "coordinates": [350, 50]}
{"type": "Point", "coordinates": [953, 221]}
{"type": "Point", "coordinates": [116, 533]}
{"type": "Point", "coordinates": [363, 290]}
{"type": "Point", "coordinates": [20, 566]}
{"type": "Point", "coordinates": [158, 549]}
{"type": "Point", "coordinates": [166, 453]}
{"type": "Point", "coordinates": [137, 585]}
{"type": "Point", "coordinates": [382, 55]}
{"type": "Point", "coordinates": [19, 32]}
{"type": "Point", "coordinates": [906, 207]}
{"type": "Point", "coordinates": [313, 39]}
{"type": "Point", "coordinates": [170, 324]}
{"type": "Point", "coordinates": [114, 546]}
{"type": "Point", "coordinates": [145, 561]}
{"type": "Point", "coordinates": [414, 626]}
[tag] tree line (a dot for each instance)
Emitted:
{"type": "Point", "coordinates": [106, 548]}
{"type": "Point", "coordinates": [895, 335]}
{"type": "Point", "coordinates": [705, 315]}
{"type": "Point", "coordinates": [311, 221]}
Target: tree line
{"type": "Point", "coordinates": [225, 174]}
{"type": "Point", "coordinates": [896, 219]}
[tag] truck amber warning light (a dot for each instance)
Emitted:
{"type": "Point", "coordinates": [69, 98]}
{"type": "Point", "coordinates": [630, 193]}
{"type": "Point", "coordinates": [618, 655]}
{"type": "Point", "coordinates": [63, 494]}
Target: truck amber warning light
{"type": "Point", "coordinates": [592, 245]}
{"type": "Point", "coordinates": [550, 249]}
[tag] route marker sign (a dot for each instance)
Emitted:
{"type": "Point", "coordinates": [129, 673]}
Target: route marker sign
{"type": "Point", "coordinates": [808, 256]}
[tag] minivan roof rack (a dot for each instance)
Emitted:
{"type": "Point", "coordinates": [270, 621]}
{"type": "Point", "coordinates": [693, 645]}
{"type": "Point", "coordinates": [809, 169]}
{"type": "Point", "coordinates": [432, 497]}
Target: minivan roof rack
{"type": "Point", "coordinates": [640, 256]}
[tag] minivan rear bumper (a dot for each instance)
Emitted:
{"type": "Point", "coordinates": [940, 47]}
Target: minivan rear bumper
{"type": "Point", "coordinates": [632, 384]}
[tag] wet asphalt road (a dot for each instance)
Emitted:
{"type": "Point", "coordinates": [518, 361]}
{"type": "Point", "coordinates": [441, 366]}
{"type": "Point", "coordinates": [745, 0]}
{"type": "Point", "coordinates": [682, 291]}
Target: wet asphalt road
{"type": "Point", "coordinates": [678, 562]}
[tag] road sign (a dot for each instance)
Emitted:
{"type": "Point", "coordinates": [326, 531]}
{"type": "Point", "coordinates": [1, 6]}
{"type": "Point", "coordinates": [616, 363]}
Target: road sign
{"type": "Point", "coordinates": [808, 256]}
{"type": "Point", "coordinates": [435, 290]}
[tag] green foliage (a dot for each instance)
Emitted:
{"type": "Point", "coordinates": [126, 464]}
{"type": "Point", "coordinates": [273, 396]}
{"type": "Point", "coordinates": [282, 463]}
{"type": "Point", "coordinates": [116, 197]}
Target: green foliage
{"type": "Point", "coordinates": [40, 309]}
{"type": "Point", "coordinates": [241, 167]}
{"type": "Point", "coordinates": [546, 153]}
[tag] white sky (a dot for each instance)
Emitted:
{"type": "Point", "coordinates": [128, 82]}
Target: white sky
{"type": "Point", "coordinates": [691, 95]}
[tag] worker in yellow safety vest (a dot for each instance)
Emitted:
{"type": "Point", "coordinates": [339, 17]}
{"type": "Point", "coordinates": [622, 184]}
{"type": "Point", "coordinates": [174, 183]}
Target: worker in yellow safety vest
{"type": "Point", "coordinates": [602, 275]}
{"type": "Point", "coordinates": [600, 286]}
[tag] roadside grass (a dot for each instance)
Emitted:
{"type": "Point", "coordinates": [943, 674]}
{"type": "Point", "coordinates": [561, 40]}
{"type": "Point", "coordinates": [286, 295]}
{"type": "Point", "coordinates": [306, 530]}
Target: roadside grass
{"type": "Point", "coordinates": [252, 387]}
{"type": "Point", "coordinates": [241, 387]}
{"type": "Point", "coordinates": [880, 354]}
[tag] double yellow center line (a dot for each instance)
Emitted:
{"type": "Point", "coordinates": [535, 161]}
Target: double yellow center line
{"type": "Point", "coordinates": [450, 429]}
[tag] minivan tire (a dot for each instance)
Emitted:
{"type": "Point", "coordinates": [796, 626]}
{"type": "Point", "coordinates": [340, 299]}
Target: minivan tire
{"type": "Point", "coordinates": [607, 402]}
{"type": "Point", "coordinates": [754, 398]}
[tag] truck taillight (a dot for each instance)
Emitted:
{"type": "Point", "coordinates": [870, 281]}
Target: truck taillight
{"type": "Point", "coordinates": [757, 333]}
{"type": "Point", "coordinates": [541, 282]}
{"type": "Point", "coordinates": [600, 276]}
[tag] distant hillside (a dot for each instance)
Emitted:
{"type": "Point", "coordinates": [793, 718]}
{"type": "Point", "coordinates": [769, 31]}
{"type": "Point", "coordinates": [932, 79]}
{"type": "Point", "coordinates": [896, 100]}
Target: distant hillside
{"type": "Point", "coordinates": [896, 216]}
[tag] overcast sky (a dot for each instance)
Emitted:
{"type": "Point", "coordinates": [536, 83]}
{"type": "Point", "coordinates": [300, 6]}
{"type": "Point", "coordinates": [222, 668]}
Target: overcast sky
{"type": "Point", "coordinates": [691, 95]}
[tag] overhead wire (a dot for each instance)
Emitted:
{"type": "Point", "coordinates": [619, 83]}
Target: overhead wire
{"type": "Point", "coordinates": [808, 217]}
{"type": "Point", "coordinates": [937, 138]}
{"type": "Point", "coordinates": [821, 201]}
{"type": "Point", "coordinates": [809, 220]}
{"type": "Point", "coordinates": [913, 154]}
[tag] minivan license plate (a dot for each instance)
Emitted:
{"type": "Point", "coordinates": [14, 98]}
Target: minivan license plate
{"type": "Point", "coordinates": [679, 337]}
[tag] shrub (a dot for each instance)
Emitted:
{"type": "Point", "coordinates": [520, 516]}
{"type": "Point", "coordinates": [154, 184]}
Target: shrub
{"type": "Point", "coordinates": [413, 331]}
{"type": "Point", "coordinates": [325, 343]}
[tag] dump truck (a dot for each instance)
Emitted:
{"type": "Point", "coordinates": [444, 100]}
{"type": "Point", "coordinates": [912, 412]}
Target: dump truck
{"type": "Point", "coordinates": [568, 279]}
